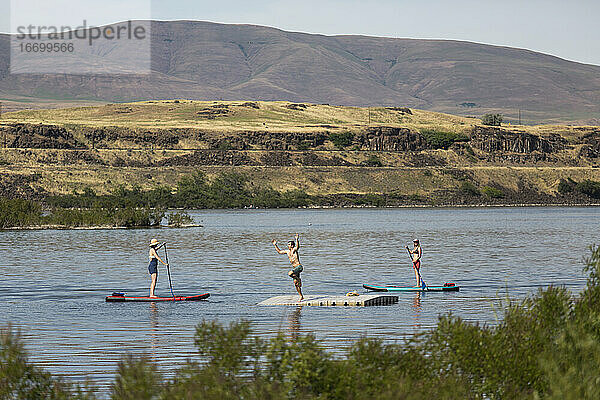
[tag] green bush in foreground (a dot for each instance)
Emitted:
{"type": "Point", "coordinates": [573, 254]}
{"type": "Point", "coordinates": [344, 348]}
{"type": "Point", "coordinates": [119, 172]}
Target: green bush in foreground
{"type": "Point", "coordinates": [372, 161]}
{"type": "Point", "coordinates": [546, 347]}
{"type": "Point", "coordinates": [20, 379]}
{"type": "Point", "coordinates": [566, 186]}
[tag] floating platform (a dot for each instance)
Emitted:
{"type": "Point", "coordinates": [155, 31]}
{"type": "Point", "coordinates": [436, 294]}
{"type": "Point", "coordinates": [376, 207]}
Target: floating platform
{"type": "Point", "coordinates": [363, 300]}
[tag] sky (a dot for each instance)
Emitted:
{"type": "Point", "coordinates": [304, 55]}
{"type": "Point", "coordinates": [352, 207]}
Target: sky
{"type": "Point", "coordinates": [565, 29]}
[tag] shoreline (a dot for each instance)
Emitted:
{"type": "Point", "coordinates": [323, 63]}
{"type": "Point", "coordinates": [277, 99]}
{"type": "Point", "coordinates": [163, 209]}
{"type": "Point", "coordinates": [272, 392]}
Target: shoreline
{"type": "Point", "coordinates": [481, 205]}
{"type": "Point", "coordinates": [416, 206]}
{"type": "Point", "coordinates": [92, 228]}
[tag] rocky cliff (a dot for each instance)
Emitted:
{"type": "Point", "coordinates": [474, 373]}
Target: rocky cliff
{"type": "Point", "coordinates": [495, 140]}
{"type": "Point", "coordinates": [491, 143]}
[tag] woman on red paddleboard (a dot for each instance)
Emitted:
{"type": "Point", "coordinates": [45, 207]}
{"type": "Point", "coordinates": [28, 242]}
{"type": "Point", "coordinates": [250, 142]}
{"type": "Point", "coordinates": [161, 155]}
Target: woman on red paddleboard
{"type": "Point", "coordinates": [153, 266]}
{"type": "Point", "coordinates": [416, 254]}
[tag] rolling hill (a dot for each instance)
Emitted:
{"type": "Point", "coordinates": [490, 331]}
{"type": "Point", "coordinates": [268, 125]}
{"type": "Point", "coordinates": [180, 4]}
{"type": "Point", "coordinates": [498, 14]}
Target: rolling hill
{"type": "Point", "coordinates": [209, 61]}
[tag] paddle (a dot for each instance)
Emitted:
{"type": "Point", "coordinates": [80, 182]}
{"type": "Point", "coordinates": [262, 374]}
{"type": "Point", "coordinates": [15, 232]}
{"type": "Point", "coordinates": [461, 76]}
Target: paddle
{"type": "Point", "coordinates": [424, 286]}
{"type": "Point", "coordinates": [168, 269]}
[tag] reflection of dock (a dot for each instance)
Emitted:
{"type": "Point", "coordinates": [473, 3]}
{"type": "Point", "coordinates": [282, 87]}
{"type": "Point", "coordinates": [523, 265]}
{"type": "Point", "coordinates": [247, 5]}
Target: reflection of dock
{"type": "Point", "coordinates": [364, 300]}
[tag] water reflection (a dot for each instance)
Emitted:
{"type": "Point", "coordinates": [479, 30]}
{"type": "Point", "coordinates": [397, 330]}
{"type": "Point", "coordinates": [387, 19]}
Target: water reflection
{"type": "Point", "coordinates": [417, 303]}
{"type": "Point", "coordinates": [154, 331]}
{"type": "Point", "coordinates": [416, 307]}
{"type": "Point", "coordinates": [294, 322]}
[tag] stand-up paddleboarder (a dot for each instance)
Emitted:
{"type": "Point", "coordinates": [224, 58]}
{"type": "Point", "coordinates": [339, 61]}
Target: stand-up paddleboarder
{"type": "Point", "coordinates": [153, 266]}
{"type": "Point", "coordinates": [297, 268]}
{"type": "Point", "coordinates": [416, 254]}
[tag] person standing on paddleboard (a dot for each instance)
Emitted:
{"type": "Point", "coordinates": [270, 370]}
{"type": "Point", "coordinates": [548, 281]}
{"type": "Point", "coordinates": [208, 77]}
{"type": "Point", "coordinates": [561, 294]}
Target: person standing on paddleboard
{"type": "Point", "coordinates": [297, 268]}
{"type": "Point", "coordinates": [416, 254]}
{"type": "Point", "coordinates": [153, 266]}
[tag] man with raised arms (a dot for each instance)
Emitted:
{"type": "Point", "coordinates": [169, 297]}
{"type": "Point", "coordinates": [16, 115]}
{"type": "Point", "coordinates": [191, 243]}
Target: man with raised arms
{"type": "Point", "coordinates": [297, 268]}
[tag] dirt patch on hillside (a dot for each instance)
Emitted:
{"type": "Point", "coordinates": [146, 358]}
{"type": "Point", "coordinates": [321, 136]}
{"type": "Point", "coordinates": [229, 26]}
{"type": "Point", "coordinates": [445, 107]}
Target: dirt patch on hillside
{"type": "Point", "coordinates": [420, 160]}
{"type": "Point", "coordinates": [277, 159]}
{"type": "Point", "coordinates": [21, 186]}
{"type": "Point", "coordinates": [207, 157]}
{"type": "Point", "coordinates": [315, 160]}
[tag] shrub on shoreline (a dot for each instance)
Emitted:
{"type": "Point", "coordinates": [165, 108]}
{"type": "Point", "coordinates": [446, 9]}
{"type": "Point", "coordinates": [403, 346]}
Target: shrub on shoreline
{"type": "Point", "coordinates": [492, 192]}
{"type": "Point", "coordinates": [587, 187]}
{"type": "Point", "coordinates": [590, 188]}
{"type": "Point", "coordinates": [178, 219]}
{"type": "Point", "coordinates": [17, 213]}
{"type": "Point", "coordinates": [195, 191]}
{"type": "Point", "coordinates": [469, 188]}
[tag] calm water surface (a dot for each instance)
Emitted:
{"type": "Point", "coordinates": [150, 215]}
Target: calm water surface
{"type": "Point", "coordinates": [53, 283]}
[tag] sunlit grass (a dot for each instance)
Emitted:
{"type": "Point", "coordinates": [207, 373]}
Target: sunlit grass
{"type": "Point", "coordinates": [270, 116]}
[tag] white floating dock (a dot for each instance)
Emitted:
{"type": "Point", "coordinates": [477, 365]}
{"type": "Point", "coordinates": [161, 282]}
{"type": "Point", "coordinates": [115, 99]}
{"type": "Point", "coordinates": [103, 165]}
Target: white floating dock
{"type": "Point", "coordinates": [364, 300]}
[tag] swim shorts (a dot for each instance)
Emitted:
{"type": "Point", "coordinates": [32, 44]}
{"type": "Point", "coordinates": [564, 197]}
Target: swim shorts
{"type": "Point", "coordinates": [296, 271]}
{"type": "Point", "coordinates": [417, 264]}
{"type": "Point", "coordinates": [153, 266]}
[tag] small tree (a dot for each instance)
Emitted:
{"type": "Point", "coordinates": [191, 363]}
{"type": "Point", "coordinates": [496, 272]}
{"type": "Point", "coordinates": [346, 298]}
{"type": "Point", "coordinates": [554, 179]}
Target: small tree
{"type": "Point", "coordinates": [492, 119]}
{"type": "Point", "coordinates": [341, 140]}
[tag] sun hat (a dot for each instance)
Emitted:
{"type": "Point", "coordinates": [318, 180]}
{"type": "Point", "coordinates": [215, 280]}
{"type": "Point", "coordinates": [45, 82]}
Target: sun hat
{"type": "Point", "coordinates": [153, 242]}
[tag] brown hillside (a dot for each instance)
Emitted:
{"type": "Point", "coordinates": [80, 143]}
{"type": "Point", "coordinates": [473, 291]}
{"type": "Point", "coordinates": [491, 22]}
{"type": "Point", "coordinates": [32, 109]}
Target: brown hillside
{"type": "Point", "coordinates": [201, 60]}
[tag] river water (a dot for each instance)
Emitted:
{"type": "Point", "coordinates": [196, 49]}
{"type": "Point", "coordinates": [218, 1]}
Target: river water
{"type": "Point", "coordinates": [53, 282]}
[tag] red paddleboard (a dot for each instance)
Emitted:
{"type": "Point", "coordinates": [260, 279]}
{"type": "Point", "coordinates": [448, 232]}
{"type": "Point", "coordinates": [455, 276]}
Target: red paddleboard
{"type": "Point", "coordinates": [121, 298]}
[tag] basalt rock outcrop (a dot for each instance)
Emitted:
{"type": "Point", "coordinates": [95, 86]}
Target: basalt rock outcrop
{"type": "Point", "coordinates": [104, 137]}
{"type": "Point", "coordinates": [591, 146]}
{"type": "Point", "coordinates": [492, 144]}
{"type": "Point", "coordinates": [269, 140]}
{"type": "Point", "coordinates": [497, 140]}
{"type": "Point", "coordinates": [38, 136]}
{"type": "Point", "coordinates": [390, 139]}
{"type": "Point", "coordinates": [372, 139]}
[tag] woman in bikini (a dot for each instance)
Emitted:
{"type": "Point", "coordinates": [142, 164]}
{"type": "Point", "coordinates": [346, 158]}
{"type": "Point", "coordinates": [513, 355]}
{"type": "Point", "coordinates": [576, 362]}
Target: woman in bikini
{"type": "Point", "coordinates": [153, 266]}
{"type": "Point", "coordinates": [416, 254]}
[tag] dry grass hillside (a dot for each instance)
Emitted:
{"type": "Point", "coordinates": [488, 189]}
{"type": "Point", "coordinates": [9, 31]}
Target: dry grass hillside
{"type": "Point", "coordinates": [226, 116]}
{"type": "Point", "coordinates": [421, 156]}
